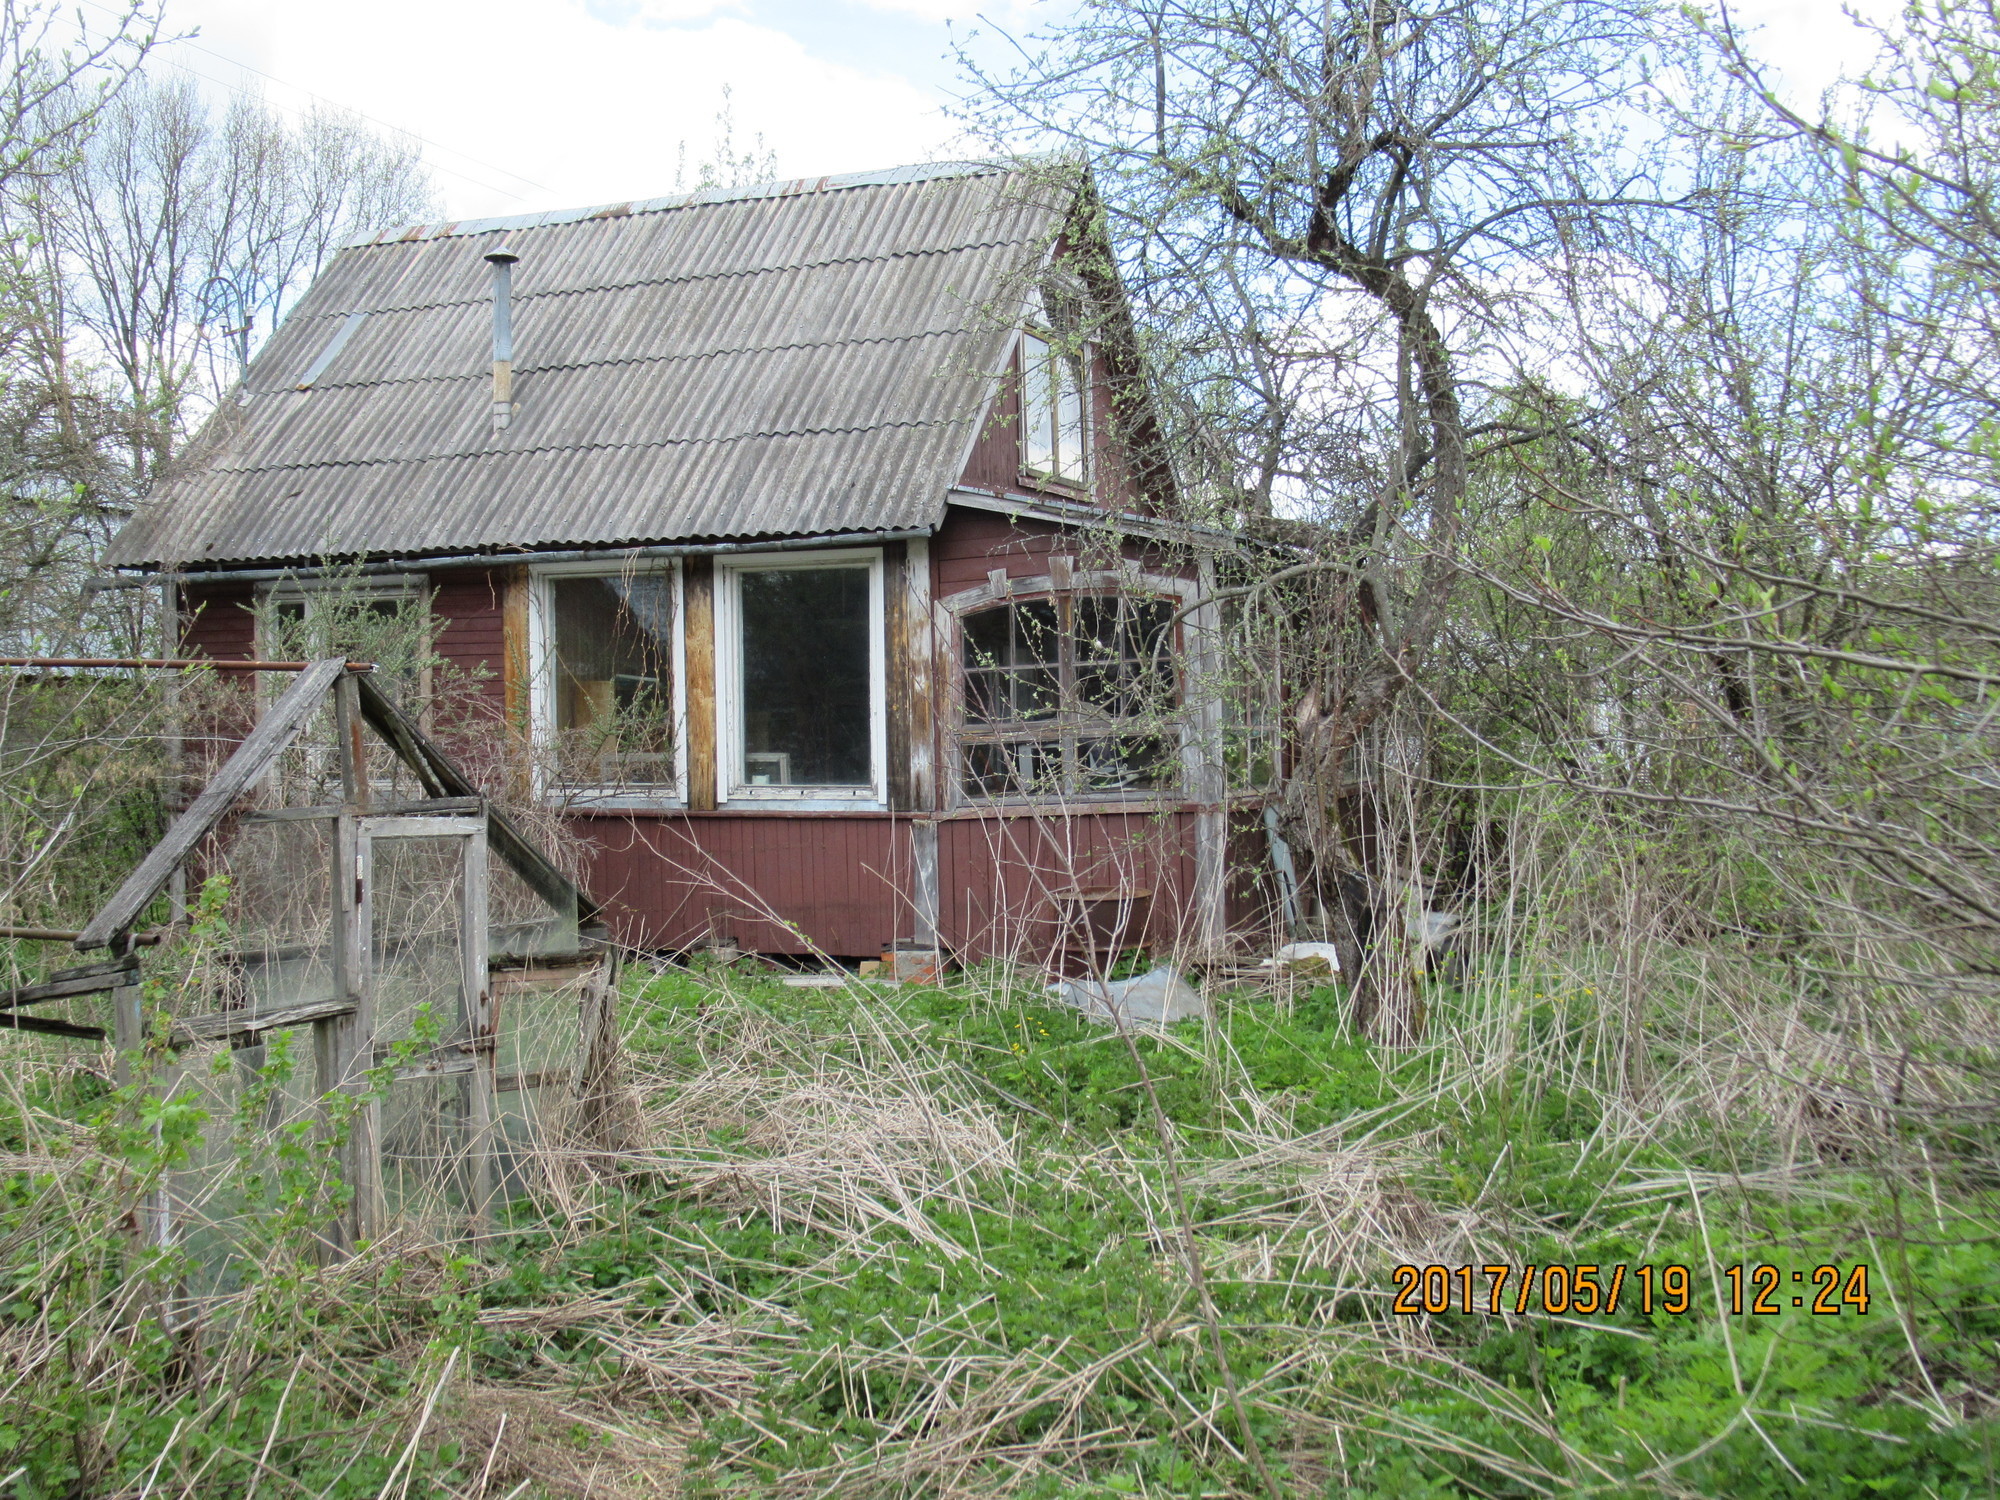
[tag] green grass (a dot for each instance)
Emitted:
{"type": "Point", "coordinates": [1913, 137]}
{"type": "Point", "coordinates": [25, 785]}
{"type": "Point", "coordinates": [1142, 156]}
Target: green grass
{"type": "Point", "coordinates": [1069, 1263]}
{"type": "Point", "coordinates": [908, 1242]}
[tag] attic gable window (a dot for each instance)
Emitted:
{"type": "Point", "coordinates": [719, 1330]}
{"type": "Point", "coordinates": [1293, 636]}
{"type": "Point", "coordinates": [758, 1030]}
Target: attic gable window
{"type": "Point", "coordinates": [604, 691]}
{"type": "Point", "coordinates": [1052, 427]}
{"type": "Point", "coordinates": [1070, 695]}
{"type": "Point", "coordinates": [1055, 362]}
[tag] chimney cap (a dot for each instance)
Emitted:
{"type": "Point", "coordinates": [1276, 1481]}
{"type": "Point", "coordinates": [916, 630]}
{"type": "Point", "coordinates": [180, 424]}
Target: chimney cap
{"type": "Point", "coordinates": [502, 256]}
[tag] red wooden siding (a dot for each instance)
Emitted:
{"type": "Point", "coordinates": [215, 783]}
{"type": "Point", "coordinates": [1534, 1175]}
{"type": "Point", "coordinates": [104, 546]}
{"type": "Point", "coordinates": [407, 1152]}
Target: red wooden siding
{"type": "Point", "coordinates": [841, 883]}
{"type": "Point", "coordinates": [972, 543]}
{"type": "Point", "coordinates": [671, 880]}
{"type": "Point", "coordinates": [1001, 877]}
{"type": "Point", "coordinates": [219, 621]}
{"type": "Point", "coordinates": [471, 638]}
{"type": "Point", "coordinates": [995, 463]}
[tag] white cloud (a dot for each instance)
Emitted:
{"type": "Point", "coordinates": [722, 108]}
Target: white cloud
{"type": "Point", "coordinates": [1805, 46]}
{"type": "Point", "coordinates": [536, 104]}
{"type": "Point", "coordinates": [678, 12]}
{"type": "Point", "coordinates": [936, 10]}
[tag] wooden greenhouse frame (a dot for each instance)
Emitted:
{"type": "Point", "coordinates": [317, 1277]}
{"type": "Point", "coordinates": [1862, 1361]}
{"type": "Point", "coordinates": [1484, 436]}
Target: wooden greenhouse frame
{"type": "Point", "coordinates": [346, 1046]}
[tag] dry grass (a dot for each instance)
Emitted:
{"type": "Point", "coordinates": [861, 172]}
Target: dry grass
{"type": "Point", "coordinates": [850, 1136]}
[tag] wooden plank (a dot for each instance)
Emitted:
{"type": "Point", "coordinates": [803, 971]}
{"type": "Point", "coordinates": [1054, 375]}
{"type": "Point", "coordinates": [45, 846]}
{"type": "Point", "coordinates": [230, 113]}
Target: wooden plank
{"type": "Point", "coordinates": [445, 1062]}
{"type": "Point", "coordinates": [442, 778]}
{"type": "Point", "coordinates": [59, 935]}
{"type": "Point", "coordinates": [251, 1023]}
{"type": "Point", "coordinates": [415, 807]}
{"type": "Point", "coordinates": [128, 1032]}
{"type": "Point", "coordinates": [482, 1012]}
{"type": "Point", "coordinates": [353, 751]}
{"type": "Point", "coordinates": [919, 629]}
{"type": "Point", "coordinates": [900, 669]}
{"type": "Point", "coordinates": [417, 827]}
{"type": "Point", "coordinates": [86, 979]}
{"type": "Point", "coordinates": [698, 578]}
{"type": "Point", "coordinates": [45, 1026]}
{"type": "Point", "coordinates": [514, 664]}
{"type": "Point", "coordinates": [353, 1035]}
{"type": "Point", "coordinates": [256, 755]}
{"type": "Point", "coordinates": [514, 1083]}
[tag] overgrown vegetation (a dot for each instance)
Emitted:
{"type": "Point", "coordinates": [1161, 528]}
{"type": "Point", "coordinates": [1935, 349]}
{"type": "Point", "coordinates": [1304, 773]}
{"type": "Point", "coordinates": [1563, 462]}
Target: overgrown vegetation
{"type": "Point", "coordinates": [1612, 458]}
{"type": "Point", "coordinates": [876, 1241]}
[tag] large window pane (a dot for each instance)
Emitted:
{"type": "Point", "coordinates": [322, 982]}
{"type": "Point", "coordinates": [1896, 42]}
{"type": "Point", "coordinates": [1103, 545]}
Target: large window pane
{"type": "Point", "coordinates": [613, 691]}
{"type": "Point", "coordinates": [805, 653]}
{"type": "Point", "coordinates": [1038, 406]}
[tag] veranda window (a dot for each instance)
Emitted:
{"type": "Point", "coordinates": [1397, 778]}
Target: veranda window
{"type": "Point", "coordinates": [383, 621]}
{"type": "Point", "coordinates": [611, 681]}
{"type": "Point", "coordinates": [1068, 696]}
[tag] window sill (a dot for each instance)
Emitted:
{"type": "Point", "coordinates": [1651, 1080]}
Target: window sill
{"type": "Point", "coordinates": [613, 801]}
{"type": "Point", "coordinates": [1169, 800]}
{"type": "Point", "coordinates": [762, 801]}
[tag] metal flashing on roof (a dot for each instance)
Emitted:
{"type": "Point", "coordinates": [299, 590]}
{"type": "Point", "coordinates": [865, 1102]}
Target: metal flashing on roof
{"type": "Point", "coordinates": [332, 350]}
{"type": "Point", "coordinates": [786, 360]}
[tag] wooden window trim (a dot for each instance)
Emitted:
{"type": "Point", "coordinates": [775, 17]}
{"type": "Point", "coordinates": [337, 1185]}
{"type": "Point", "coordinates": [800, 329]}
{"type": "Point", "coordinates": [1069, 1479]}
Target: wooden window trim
{"type": "Point", "coordinates": [540, 656]}
{"type": "Point", "coordinates": [1130, 581]}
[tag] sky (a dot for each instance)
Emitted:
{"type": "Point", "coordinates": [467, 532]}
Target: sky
{"type": "Point", "coordinates": [528, 105]}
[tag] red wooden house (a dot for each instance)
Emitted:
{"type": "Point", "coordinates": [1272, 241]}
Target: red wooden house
{"type": "Point", "coordinates": [809, 533]}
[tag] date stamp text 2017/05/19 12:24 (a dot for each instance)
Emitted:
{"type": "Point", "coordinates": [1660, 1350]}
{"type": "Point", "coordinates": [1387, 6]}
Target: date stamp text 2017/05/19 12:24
{"type": "Point", "coordinates": [1584, 1290]}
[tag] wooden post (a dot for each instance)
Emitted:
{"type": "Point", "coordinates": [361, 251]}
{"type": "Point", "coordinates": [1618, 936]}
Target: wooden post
{"type": "Point", "coordinates": [921, 659]}
{"type": "Point", "coordinates": [597, 1057]}
{"type": "Point", "coordinates": [128, 1034]}
{"type": "Point", "coordinates": [343, 1047]}
{"type": "Point", "coordinates": [350, 1048]}
{"type": "Point", "coordinates": [517, 676]}
{"type": "Point", "coordinates": [352, 749]}
{"type": "Point", "coordinates": [1206, 770]}
{"type": "Point", "coordinates": [699, 581]}
{"type": "Point", "coordinates": [482, 1014]}
{"type": "Point", "coordinates": [900, 674]}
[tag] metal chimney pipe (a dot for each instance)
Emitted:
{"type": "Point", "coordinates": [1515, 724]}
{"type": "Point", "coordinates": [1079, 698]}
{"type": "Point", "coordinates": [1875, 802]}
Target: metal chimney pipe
{"type": "Point", "coordinates": [502, 262]}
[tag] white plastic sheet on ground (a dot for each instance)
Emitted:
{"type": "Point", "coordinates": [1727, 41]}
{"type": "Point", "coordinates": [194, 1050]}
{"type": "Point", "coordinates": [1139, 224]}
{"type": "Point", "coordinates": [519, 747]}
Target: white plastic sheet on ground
{"type": "Point", "coordinates": [1158, 998]}
{"type": "Point", "coordinates": [1306, 958]}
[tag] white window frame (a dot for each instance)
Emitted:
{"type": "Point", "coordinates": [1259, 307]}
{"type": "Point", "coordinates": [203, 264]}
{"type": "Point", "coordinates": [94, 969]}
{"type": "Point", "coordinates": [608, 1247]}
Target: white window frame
{"type": "Point", "coordinates": [354, 590]}
{"type": "Point", "coordinates": [730, 791]}
{"type": "Point", "coordinates": [1079, 479]}
{"type": "Point", "coordinates": [542, 685]}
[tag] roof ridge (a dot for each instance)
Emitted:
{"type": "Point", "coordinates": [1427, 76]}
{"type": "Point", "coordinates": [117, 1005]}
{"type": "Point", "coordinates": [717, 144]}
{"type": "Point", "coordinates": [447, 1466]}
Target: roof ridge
{"type": "Point", "coordinates": [700, 198]}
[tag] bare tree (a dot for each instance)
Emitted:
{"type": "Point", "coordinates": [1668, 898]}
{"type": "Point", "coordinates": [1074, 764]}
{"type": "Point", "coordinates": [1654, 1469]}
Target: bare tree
{"type": "Point", "coordinates": [178, 236]}
{"type": "Point", "coordinates": [1343, 224]}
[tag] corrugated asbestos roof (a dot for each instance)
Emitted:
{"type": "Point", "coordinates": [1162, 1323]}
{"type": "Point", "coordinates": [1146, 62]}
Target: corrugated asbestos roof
{"type": "Point", "coordinates": [798, 359]}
